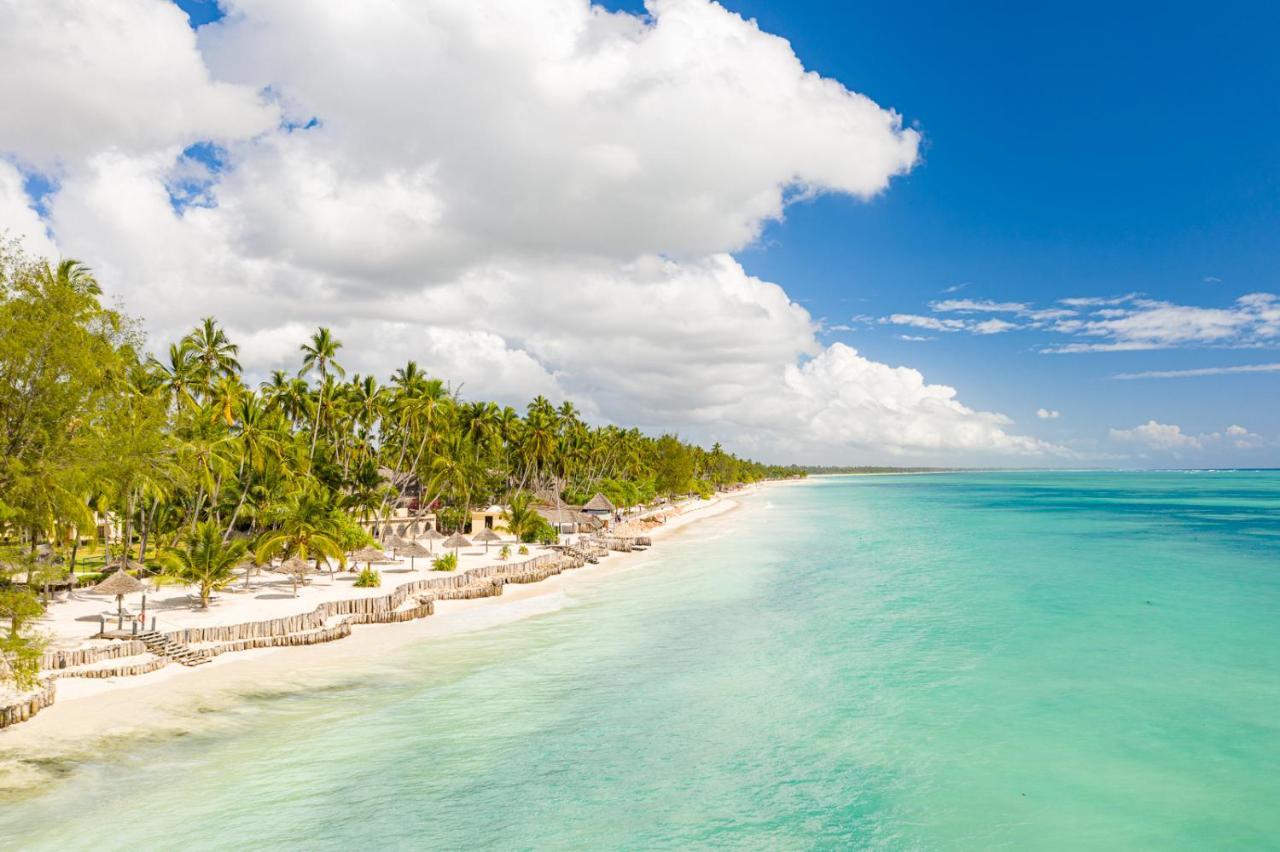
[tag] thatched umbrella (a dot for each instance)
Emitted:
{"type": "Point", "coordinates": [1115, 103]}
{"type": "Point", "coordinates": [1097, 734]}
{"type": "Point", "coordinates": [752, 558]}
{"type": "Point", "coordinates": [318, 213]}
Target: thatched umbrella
{"type": "Point", "coordinates": [431, 535]}
{"type": "Point", "coordinates": [394, 543]}
{"type": "Point", "coordinates": [413, 550]}
{"type": "Point", "coordinates": [486, 535]}
{"type": "Point", "coordinates": [370, 555]}
{"type": "Point", "coordinates": [120, 583]}
{"type": "Point", "coordinates": [455, 541]}
{"type": "Point", "coordinates": [296, 568]}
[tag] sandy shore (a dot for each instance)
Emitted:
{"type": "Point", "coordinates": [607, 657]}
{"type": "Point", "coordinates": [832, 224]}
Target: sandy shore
{"type": "Point", "coordinates": [90, 712]}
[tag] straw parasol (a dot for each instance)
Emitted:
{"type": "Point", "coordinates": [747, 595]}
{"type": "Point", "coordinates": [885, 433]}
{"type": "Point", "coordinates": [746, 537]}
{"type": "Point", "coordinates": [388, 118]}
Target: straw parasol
{"type": "Point", "coordinates": [370, 555]}
{"type": "Point", "coordinates": [413, 550]}
{"type": "Point", "coordinates": [455, 541]}
{"type": "Point", "coordinates": [431, 535]}
{"type": "Point", "coordinates": [486, 535]}
{"type": "Point", "coordinates": [120, 583]}
{"type": "Point", "coordinates": [394, 543]}
{"type": "Point", "coordinates": [296, 568]}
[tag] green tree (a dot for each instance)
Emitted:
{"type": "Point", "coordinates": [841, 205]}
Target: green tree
{"type": "Point", "coordinates": [206, 560]}
{"type": "Point", "coordinates": [305, 526]}
{"type": "Point", "coordinates": [319, 354]}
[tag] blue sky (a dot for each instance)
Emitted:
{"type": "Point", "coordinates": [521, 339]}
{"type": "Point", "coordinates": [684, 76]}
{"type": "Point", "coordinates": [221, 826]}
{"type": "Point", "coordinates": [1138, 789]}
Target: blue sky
{"type": "Point", "coordinates": [530, 197]}
{"type": "Point", "coordinates": [1084, 149]}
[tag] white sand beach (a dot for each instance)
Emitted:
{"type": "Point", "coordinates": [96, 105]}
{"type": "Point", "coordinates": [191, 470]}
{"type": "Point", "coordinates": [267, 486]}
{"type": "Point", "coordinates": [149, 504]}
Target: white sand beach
{"type": "Point", "coordinates": [89, 710]}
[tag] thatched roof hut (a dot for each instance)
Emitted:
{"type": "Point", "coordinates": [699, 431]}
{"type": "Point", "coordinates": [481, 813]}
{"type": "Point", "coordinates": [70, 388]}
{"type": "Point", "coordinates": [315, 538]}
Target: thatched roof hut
{"type": "Point", "coordinates": [599, 503]}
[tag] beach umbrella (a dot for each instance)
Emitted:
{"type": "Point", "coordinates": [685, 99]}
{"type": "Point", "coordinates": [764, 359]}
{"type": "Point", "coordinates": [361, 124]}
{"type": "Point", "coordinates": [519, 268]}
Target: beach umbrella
{"type": "Point", "coordinates": [394, 543]}
{"type": "Point", "coordinates": [431, 535]}
{"type": "Point", "coordinates": [370, 555]}
{"type": "Point", "coordinates": [120, 583]}
{"type": "Point", "coordinates": [413, 550]}
{"type": "Point", "coordinates": [486, 535]}
{"type": "Point", "coordinates": [296, 568]}
{"type": "Point", "coordinates": [455, 541]}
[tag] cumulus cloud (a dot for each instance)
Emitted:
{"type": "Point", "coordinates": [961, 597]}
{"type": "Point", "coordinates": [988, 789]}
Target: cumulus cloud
{"type": "Point", "coordinates": [1047, 414]}
{"type": "Point", "coordinates": [19, 221]}
{"type": "Point", "coordinates": [526, 197]}
{"type": "Point", "coordinates": [125, 75]}
{"type": "Point", "coordinates": [1164, 437]}
{"type": "Point", "coordinates": [1242, 438]}
{"type": "Point", "coordinates": [849, 399]}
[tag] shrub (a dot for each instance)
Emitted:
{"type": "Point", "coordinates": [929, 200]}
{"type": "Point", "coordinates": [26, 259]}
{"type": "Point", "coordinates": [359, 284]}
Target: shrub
{"type": "Point", "coordinates": [446, 562]}
{"type": "Point", "coordinates": [350, 534]}
{"type": "Point", "coordinates": [524, 550]}
{"type": "Point", "coordinates": [540, 531]}
{"type": "Point", "coordinates": [505, 552]}
{"type": "Point", "coordinates": [368, 579]}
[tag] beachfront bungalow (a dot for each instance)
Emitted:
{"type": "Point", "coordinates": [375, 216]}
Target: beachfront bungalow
{"type": "Point", "coordinates": [568, 520]}
{"type": "Point", "coordinates": [601, 507]}
{"type": "Point", "coordinates": [487, 519]}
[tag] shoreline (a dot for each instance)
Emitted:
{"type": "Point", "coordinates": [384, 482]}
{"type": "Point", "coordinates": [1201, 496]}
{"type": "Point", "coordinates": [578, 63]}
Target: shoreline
{"type": "Point", "coordinates": [91, 711]}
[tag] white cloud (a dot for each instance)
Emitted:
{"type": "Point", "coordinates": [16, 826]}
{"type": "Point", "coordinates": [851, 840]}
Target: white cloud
{"type": "Point", "coordinates": [1242, 438]}
{"type": "Point", "coordinates": [1047, 414]}
{"type": "Point", "coordinates": [18, 220]}
{"type": "Point", "coordinates": [1253, 319]}
{"type": "Point", "coordinates": [123, 75]}
{"type": "Point", "coordinates": [1201, 371]}
{"type": "Point", "coordinates": [992, 326]}
{"type": "Point", "coordinates": [848, 399]}
{"type": "Point", "coordinates": [1164, 437]}
{"type": "Point", "coordinates": [970, 306]}
{"type": "Point", "coordinates": [1115, 324]}
{"type": "Point", "coordinates": [929, 323]}
{"type": "Point", "coordinates": [526, 197]}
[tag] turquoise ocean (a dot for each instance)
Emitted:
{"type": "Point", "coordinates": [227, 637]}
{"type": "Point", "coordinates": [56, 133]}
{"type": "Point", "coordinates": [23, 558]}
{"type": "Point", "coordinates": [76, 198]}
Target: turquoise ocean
{"type": "Point", "coordinates": [961, 661]}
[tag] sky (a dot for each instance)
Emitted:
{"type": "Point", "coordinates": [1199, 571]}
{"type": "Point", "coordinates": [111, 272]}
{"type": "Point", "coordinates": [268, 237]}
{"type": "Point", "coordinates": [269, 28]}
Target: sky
{"type": "Point", "coordinates": [855, 233]}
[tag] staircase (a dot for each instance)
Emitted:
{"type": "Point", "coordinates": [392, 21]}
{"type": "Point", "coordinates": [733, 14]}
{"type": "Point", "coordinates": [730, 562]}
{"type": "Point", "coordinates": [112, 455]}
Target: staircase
{"type": "Point", "coordinates": [163, 646]}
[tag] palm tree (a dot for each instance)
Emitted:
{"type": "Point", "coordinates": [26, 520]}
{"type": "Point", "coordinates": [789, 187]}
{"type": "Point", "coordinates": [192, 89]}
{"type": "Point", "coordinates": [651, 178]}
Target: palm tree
{"type": "Point", "coordinates": [520, 516]}
{"type": "Point", "coordinates": [178, 376]}
{"type": "Point", "coordinates": [319, 354]}
{"type": "Point", "coordinates": [73, 274]}
{"type": "Point", "coordinates": [305, 526]}
{"type": "Point", "coordinates": [213, 352]}
{"type": "Point", "coordinates": [206, 560]}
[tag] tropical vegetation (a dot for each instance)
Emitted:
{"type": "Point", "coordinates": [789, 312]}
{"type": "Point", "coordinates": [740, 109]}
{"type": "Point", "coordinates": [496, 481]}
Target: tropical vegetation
{"type": "Point", "coordinates": [181, 461]}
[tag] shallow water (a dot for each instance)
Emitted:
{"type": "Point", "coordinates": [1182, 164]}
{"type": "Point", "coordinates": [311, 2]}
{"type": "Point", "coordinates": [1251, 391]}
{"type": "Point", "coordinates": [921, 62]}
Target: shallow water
{"type": "Point", "coordinates": [1058, 660]}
